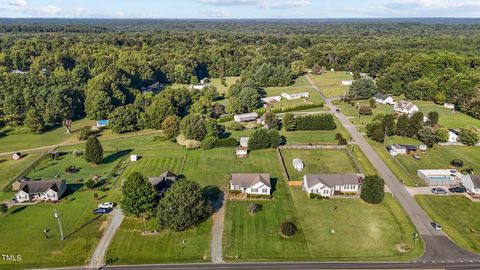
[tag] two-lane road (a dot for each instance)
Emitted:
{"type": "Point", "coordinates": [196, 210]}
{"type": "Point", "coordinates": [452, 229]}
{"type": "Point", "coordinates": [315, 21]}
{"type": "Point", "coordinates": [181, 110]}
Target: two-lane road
{"type": "Point", "coordinates": [438, 246]}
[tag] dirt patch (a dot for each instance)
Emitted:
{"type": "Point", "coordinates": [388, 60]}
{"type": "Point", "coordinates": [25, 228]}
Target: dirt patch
{"type": "Point", "coordinates": [402, 247]}
{"type": "Point", "coordinates": [104, 225]}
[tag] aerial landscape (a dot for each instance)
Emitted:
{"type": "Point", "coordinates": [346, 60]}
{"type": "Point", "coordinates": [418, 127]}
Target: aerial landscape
{"type": "Point", "coordinates": [239, 137]}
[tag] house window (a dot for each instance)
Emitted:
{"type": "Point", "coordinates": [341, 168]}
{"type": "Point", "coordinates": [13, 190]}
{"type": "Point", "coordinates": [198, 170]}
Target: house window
{"type": "Point", "coordinates": [264, 190]}
{"type": "Point", "coordinates": [325, 192]}
{"type": "Point", "coordinates": [255, 190]}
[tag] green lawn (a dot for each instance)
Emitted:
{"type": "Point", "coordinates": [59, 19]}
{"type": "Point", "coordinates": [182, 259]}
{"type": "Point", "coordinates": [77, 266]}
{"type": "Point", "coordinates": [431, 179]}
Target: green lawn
{"type": "Point", "coordinates": [221, 88]}
{"type": "Point", "coordinates": [330, 83]}
{"type": "Point", "coordinates": [458, 216]}
{"type": "Point", "coordinates": [318, 162]}
{"type": "Point", "coordinates": [130, 247]}
{"type": "Point", "coordinates": [11, 168]}
{"type": "Point", "coordinates": [49, 169]}
{"type": "Point", "coordinates": [21, 232]}
{"type": "Point", "coordinates": [300, 85]}
{"type": "Point", "coordinates": [447, 117]}
{"type": "Point", "coordinates": [315, 136]}
{"type": "Point", "coordinates": [361, 231]}
{"type": "Point", "coordinates": [256, 237]}
{"type": "Point", "coordinates": [352, 111]}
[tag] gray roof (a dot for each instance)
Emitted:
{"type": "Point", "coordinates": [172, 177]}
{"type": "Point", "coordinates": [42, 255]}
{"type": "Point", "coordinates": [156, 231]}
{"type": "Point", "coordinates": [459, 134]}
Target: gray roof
{"type": "Point", "coordinates": [34, 187]}
{"type": "Point", "coordinates": [246, 180]}
{"type": "Point", "coordinates": [159, 179]}
{"type": "Point", "coordinates": [405, 105]}
{"type": "Point", "coordinates": [381, 96]}
{"type": "Point", "coordinates": [454, 131]}
{"type": "Point", "coordinates": [475, 180]}
{"type": "Point", "coordinates": [248, 116]}
{"type": "Point", "coordinates": [333, 180]}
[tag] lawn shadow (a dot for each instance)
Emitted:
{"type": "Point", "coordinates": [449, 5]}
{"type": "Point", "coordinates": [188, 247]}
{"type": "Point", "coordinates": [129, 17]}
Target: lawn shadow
{"type": "Point", "coordinates": [225, 135]}
{"type": "Point", "coordinates": [72, 188]}
{"type": "Point", "coordinates": [18, 209]}
{"type": "Point", "coordinates": [115, 156]}
{"type": "Point", "coordinates": [273, 182]}
{"type": "Point", "coordinates": [2, 160]}
{"type": "Point", "coordinates": [215, 196]}
{"type": "Point", "coordinates": [83, 226]}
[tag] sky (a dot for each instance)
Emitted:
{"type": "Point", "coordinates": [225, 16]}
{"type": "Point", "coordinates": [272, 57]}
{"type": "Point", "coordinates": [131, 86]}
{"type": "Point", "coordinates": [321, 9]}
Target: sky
{"type": "Point", "coordinates": [239, 9]}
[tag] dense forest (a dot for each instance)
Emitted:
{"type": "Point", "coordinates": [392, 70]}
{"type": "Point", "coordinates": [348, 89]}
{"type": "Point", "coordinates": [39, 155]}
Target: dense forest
{"type": "Point", "coordinates": [54, 70]}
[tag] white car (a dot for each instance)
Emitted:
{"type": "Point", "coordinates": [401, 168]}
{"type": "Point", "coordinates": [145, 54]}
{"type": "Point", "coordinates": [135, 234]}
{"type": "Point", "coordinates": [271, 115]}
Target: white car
{"type": "Point", "coordinates": [106, 205]}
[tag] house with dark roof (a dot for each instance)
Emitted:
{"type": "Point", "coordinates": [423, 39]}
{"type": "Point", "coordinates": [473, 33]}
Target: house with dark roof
{"type": "Point", "coordinates": [328, 185]}
{"type": "Point", "coordinates": [384, 99]}
{"type": "Point", "coordinates": [163, 182]}
{"type": "Point", "coordinates": [471, 183]}
{"type": "Point", "coordinates": [51, 190]}
{"type": "Point", "coordinates": [154, 87]}
{"type": "Point", "coordinates": [251, 183]}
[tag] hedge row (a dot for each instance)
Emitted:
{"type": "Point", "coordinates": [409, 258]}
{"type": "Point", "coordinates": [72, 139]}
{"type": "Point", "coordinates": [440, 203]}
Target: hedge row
{"type": "Point", "coordinates": [299, 107]}
{"type": "Point", "coordinates": [316, 122]}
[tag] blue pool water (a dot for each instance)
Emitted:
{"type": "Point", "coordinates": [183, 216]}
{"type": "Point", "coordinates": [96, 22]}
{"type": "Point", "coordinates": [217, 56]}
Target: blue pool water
{"type": "Point", "coordinates": [440, 178]}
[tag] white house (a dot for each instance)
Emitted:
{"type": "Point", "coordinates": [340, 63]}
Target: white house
{"type": "Point", "coordinates": [347, 82]}
{"type": "Point", "coordinates": [405, 107]}
{"type": "Point", "coordinates": [295, 96]}
{"type": "Point", "coordinates": [396, 149]}
{"type": "Point", "coordinates": [453, 135]}
{"type": "Point", "coordinates": [449, 106]}
{"type": "Point", "coordinates": [199, 86]}
{"type": "Point", "coordinates": [251, 183]}
{"type": "Point", "coordinates": [271, 99]}
{"type": "Point", "coordinates": [241, 152]}
{"type": "Point", "coordinates": [246, 117]}
{"type": "Point", "coordinates": [328, 184]}
{"type": "Point", "coordinates": [41, 191]}
{"type": "Point", "coordinates": [472, 184]}
{"type": "Point", "coordinates": [298, 164]}
{"type": "Point", "coordinates": [244, 141]}
{"type": "Point", "coordinates": [383, 99]}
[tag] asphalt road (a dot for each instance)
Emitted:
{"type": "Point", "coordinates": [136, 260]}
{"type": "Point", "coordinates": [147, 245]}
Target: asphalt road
{"type": "Point", "coordinates": [438, 246]}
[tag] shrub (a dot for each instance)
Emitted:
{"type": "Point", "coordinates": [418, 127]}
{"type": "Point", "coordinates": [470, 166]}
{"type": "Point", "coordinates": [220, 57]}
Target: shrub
{"type": "Point", "coordinates": [85, 132]}
{"type": "Point", "coordinates": [209, 142]}
{"type": "Point", "coordinates": [254, 207]}
{"type": "Point", "coordinates": [341, 140]}
{"type": "Point", "coordinates": [288, 229]}
{"type": "Point", "coordinates": [262, 138]}
{"type": "Point", "coordinates": [316, 122]}
{"type": "Point", "coordinates": [457, 163]}
{"type": "Point", "coordinates": [365, 110]}
{"type": "Point", "coordinates": [236, 126]}
{"type": "Point", "coordinates": [90, 184]}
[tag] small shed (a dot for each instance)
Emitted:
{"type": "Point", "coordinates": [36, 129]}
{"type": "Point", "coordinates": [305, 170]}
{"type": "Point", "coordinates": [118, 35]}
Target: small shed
{"type": "Point", "coordinates": [244, 142]}
{"type": "Point", "coordinates": [17, 156]}
{"type": "Point", "coordinates": [133, 157]}
{"type": "Point", "coordinates": [102, 123]}
{"type": "Point", "coordinates": [298, 164]}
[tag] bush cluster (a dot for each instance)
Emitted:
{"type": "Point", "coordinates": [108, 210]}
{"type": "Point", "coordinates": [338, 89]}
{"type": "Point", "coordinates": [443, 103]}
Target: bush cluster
{"type": "Point", "coordinates": [288, 229]}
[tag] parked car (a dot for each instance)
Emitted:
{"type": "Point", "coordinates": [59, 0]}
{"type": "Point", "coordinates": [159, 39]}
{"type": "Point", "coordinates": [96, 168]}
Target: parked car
{"type": "Point", "coordinates": [107, 205]}
{"type": "Point", "coordinates": [457, 190]}
{"type": "Point", "coordinates": [337, 110]}
{"type": "Point", "coordinates": [439, 191]}
{"type": "Point", "coordinates": [436, 226]}
{"type": "Point", "coordinates": [101, 211]}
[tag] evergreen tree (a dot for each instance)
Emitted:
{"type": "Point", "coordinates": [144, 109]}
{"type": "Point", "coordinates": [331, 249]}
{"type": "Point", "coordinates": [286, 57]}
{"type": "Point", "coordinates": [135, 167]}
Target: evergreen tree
{"type": "Point", "coordinates": [432, 118]}
{"type": "Point", "coordinates": [34, 122]}
{"type": "Point", "coordinates": [139, 197]}
{"type": "Point", "coordinates": [289, 122]}
{"type": "Point", "coordinates": [415, 124]}
{"type": "Point", "coordinates": [93, 150]}
{"type": "Point", "coordinates": [271, 120]}
{"type": "Point", "coordinates": [183, 206]}
{"type": "Point", "coordinates": [373, 189]}
{"type": "Point", "coordinates": [402, 125]}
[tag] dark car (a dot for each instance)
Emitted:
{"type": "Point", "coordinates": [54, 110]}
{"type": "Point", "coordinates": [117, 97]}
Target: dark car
{"type": "Point", "coordinates": [101, 211]}
{"type": "Point", "coordinates": [337, 110]}
{"type": "Point", "coordinates": [457, 190]}
{"type": "Point", "coordinates": [439, 191]}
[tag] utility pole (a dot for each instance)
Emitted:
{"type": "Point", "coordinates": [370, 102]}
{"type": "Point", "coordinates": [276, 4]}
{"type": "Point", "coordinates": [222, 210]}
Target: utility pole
{"type": "Point", "coordinates": [57, 217]}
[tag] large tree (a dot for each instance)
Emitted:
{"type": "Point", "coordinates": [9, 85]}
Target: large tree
{"type": "Point", "coordinates": [125, 119]}
{"type": "Point", "coordinates": [158, 110]}
{"type": "Point", "coordinates": [271, 120]}
{"type": "Point", "coordinates": [262, 138]}
{"type": "Point", "coordinates": [171, 126]}
{"type": "Point", "coordinates": [93, 150]}
{"type": "Point", "coordinates": [193, 127]}
{"type": "Point", "coordinates": [183, 206]}
{"type": "Point", "coordinates": [373, 189]}
{"type": "Point", "coordinates": [363, 89]}
{"type": "Point", "coordinates": [288, 122]}
{"type": "Point", "coordinates": [139, 197]}
{"type": "Point", "coordinates": [469, 136]}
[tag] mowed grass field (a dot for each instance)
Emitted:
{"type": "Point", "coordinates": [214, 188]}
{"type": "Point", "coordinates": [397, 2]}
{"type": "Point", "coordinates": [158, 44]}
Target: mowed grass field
{"type": "Point", "coordinates": [352, 230]}
{"type": "Point", "coordinates": [222, 89]}
{"type": "Point", "coordinates": [154, 165]}
{"type": "Point", "coordinates": [22, 234]}
{"type": "Point", "coordinates": [448, 118]}
{"type": "Point", "coordinates": [352, 111]}
{"type": "Point", "coordinates": [318, 162]}
{"type": "Point", "coordinates": [330, 83]}
{"type": "Point", "coordinates": [10, 168]}
{"type": "Point", "coordinates": [50, 169]}
{"type": "Point", "coordinates": [257, 237]}
{"type": "Point", "coordinates": [130, 247]}
{"type": "Point", "coordinates": [458, 216]}
{"type": "Point", "coordinates": [300, 85]}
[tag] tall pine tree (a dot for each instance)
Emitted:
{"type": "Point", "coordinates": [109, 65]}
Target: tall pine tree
{"type": "Point", "coordinates": [139, 196]}
{"type": "Point", "coordinates": [93, 150]}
